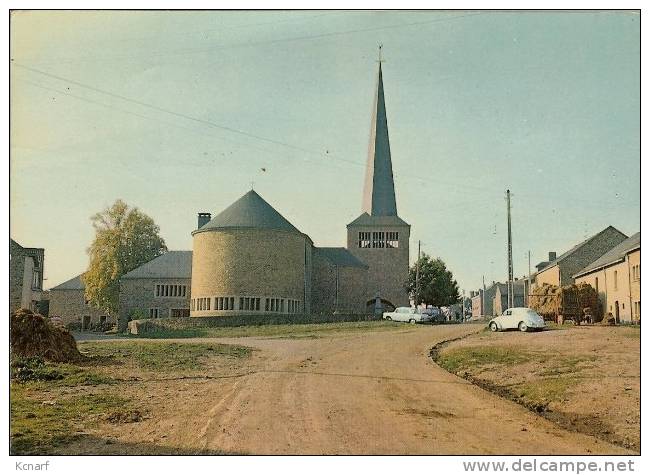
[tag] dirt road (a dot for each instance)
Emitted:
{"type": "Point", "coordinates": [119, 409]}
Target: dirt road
{"type": "Point", "coordinates": [370, 393]}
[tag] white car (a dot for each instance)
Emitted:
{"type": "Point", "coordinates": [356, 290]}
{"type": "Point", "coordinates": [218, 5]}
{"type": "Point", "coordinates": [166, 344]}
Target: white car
{"type": "Point", "coordinates": [522, 318]}
{"type": "Point", "coordinates": [406, 314]}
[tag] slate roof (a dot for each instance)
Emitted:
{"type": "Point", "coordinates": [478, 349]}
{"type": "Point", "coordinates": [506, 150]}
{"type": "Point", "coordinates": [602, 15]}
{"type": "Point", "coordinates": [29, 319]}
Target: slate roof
{"type": "Point", "coordinates": [73, 284]}
{"type": "Point", "coordinates": [171, 265]}
{"type": "Point", "coordinates": [614, 255]}
{"type": "Point", "coordinates": [366, 220]}
{"type": "Point", "coordinates": [561, 257]}
{"type": "Point", "coordinates": [340, 256]}
{"type": "Point", "coordinates": [249, 211]}
{"type": "Point", "coordinates": [379, 187]}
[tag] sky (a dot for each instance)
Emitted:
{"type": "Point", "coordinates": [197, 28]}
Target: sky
{"type": "Point", "coordinates": [179, 112]}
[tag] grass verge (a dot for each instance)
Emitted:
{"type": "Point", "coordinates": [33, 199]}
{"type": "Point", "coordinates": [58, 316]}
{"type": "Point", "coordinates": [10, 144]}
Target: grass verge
{"type": "Point", "coordinates": [162, 356]}
{"type": "Point", "coordinates": [37, 426]}
{"type": "Point", "coordinates": [310, 330]}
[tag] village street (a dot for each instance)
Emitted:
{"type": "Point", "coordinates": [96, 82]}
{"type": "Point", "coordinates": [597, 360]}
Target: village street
{"type": "Point", "coordinates": [364, 393]}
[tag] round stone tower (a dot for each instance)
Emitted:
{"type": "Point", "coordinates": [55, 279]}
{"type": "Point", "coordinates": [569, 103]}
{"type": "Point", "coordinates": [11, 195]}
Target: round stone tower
{"type": "Point", "coordinates": [250, 260]}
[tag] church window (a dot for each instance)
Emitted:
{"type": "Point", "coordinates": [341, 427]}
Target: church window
{"type": "Point", "coordinates": [392, 239]}
{"type": "Point", "coordinates": [378, 239]}
{"type": "Point", "coordinates": [364, 239]}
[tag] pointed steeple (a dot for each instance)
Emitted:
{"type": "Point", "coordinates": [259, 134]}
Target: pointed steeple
{"type": "Point", "coordinates": [379, 188]}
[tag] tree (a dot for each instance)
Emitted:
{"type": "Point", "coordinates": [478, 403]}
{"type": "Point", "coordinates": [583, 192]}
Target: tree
{"type": "Point", "coordinates": [437, 284]}
{"type": "Point", "coordinates": [125, 238]}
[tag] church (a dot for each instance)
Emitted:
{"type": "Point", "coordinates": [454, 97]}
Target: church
{"type": "Point", "coordinates": [249, 259]}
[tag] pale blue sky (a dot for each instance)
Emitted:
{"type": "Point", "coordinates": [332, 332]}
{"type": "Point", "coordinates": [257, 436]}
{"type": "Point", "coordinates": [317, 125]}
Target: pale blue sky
{"type": "Point", "coordinates": [546, 104]}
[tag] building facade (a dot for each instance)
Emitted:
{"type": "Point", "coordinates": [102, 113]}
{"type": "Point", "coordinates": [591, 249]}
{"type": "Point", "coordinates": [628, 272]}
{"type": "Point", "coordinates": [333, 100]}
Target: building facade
{"type": "Point", "coordinates": [68, 301]}
{"type": "Point", "coordinates": [500, 303]}
{"type": "Point", "coordinates": [616, 276]}
{"type": "Point", "coordinates": [159, 288]}
{"type": "Point", "coordinates": [26, 266]}
{"type": "Point", "coordinates": [561, 270]}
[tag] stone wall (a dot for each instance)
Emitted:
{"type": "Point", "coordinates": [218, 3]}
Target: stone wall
{"type": "Point", "coordinates": [338, 289]}
{"type": "Point", "coordinates": [16, 273]}
{"type": "Point", "coordinates": [137, 297]}
{"type": "Point", "coordinates": [387, 267]}
{"type": "Point", "coordinates": [71, 306]}
{"type": "Point", "coordinates": [260, 263]}
{"type": "Point", "coordinates": [23, 263]}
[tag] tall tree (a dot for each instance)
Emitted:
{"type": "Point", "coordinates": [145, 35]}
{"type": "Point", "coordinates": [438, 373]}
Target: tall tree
{"type": "Point", "coordinates": [437, 284]}
{"type": "Point", "coordinates": [125, 238]}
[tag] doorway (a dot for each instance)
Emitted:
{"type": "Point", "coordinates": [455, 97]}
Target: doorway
{"type": "Point", "coordinates": [616, 312]}
{"type": "Point", "coordinates": [85, 322]}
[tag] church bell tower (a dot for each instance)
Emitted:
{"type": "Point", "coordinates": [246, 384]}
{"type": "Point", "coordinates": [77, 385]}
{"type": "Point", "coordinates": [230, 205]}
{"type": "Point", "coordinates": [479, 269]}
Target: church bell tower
{"type": "Point", "coordinates": [379, 237]}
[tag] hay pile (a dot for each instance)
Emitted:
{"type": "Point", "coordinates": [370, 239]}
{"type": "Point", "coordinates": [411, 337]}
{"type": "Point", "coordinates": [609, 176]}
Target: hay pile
{"type": "Point", "coordinates": [588, 299]}
{"type": "Point", "coordinates": [550, 301]}
{"type": "Point", "coordinates": [33, 336]}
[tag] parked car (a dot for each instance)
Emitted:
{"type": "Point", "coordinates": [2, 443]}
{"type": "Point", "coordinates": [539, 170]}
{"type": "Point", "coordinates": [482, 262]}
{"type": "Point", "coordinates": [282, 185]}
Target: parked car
{"type": "Point", "coordinates": [406, 314]}
{"type": "Point", "coordinates": [522, 318]}
{"type": "Point", "coordinates": [435, 314]}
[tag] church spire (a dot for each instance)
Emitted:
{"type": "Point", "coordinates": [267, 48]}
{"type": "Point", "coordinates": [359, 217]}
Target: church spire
{"type": "Point", "coordinates": [379, 188]}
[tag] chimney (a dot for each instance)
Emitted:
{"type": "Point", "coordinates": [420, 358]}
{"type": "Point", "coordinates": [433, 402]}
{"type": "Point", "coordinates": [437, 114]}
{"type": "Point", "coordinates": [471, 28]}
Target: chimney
{"type": "Point", "coordinates": [552, 256]}
{"type": "Point", "coordinates": [204, 218]}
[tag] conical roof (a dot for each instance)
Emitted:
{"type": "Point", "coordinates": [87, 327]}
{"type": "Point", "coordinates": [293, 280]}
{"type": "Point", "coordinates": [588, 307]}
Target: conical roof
{"type": "Point", "coordinates": [249, 211]}
{"type": "Point", "coordinates": [379, 188]}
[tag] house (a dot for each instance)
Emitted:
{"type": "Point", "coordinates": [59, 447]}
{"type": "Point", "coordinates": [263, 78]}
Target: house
{"type": "Point", "coordinates": [159, 288]}
{"type": "Point", "coordinates": [560, 271]}
{"type": "Point", "coordinates": [483, 301]}
{"type": "Point", "coordinates": [501, 296]}
{"type": "Point", "coordinates": [26, 265]}
{"type": "Point", "coordinates": [68, 301]}
{"type": "Point", "coordinates": [616, 276]}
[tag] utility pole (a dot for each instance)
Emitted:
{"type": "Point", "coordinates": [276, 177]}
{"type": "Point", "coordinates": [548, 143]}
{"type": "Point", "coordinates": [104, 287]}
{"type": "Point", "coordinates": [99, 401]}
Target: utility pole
{"type": "Point", "coordinates": [530, 283]}
{"type": "Point", "coordinates": [417, 274]}
{"type": "Point", "coordinates": [510, 270]}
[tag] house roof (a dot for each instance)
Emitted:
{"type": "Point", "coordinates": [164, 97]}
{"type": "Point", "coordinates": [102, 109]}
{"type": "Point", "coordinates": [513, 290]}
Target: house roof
{"type": "Point", "coordinates": [575, 248]}
{"type": "Point", "coordinates": [249, 211]}
{"type": "Point", "coordinates": [171, 265]}
{"type": "Point", "coordinates": [614, 255]}
{"type": "Point", "coordinates": [340, 256]}
{"type": "Point", "coordinates": [73, 284]}
{"type": "Point", "coordinates": [366, 220]}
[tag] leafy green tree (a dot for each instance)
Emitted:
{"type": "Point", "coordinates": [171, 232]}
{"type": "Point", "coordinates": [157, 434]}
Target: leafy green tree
{"type": "Point", "coordinates": [125, 238]}
{"type": "Point", "coordinates": [437, 284]}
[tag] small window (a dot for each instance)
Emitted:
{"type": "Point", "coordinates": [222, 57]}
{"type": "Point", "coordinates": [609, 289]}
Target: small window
{"type": "Point", "coordinates": [615, 280]}
{"type": "Point", "coordinates": [364, 239]}
{"type": "Point", "coordinates": [378, 239]}
{"type": "Point", "coordinates": [392, 239]}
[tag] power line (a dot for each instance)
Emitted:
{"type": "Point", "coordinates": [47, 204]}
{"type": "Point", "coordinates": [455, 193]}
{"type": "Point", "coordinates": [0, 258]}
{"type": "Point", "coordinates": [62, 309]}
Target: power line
{"type": "Point", "coordinates": [326, 154]}
{"type": "Point", "coordinates": [262, 42]}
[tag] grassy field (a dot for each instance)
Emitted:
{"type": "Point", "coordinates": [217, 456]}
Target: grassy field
{"type": "Point", "coordinates": [585, 378]}
{"type": "Point", "coordinates": [311, 330]}
{"type": "Point", "coordinates": [57, 404]}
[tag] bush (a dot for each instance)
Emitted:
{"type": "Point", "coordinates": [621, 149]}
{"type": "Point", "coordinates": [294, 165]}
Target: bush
{"type": "Point", "coordinates": [73, 326]}
{"type": "Point", "coordinates": [32, 369]}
